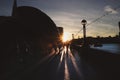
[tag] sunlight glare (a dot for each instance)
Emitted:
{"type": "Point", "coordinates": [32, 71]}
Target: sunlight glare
{"type": "Point", "coordinates": [65, 37]}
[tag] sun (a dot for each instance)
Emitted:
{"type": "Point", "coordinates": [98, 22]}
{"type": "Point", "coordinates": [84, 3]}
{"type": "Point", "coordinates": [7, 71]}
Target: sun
{"type": "Point", "coordinates": [65, 37]}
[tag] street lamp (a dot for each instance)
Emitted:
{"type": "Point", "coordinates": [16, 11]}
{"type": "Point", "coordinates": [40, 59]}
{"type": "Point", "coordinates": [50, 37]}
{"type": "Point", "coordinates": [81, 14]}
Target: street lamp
{"type": "Point", "coordinates": [84, 22]}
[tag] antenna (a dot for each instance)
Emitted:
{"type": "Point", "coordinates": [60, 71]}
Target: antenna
{"type": "Point", "coordinates": [14, 8]}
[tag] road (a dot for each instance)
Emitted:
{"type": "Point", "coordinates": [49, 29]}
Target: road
{"type": "Point", "coordinates": [66, 64]}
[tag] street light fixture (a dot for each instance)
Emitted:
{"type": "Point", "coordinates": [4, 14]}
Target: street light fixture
{"type": "Point", "coordinates": [84, 22]}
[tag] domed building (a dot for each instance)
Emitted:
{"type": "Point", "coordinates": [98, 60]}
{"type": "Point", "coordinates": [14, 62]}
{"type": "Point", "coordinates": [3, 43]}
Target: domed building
{"type": "Point", "coordinates": [36, 25]}
{"type": "Point", "coordinates": [37, 21]}
{"type": "Point", "coordinates": [32, 25]}
{"type": "Point", "coordinates": [26, 35]}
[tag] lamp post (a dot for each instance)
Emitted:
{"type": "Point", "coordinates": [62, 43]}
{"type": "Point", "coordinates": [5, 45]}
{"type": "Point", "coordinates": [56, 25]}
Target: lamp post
{"type": "Point", "coordinates": [84, 22]}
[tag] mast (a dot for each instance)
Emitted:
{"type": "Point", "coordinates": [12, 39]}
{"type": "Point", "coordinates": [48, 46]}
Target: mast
{"type": "Point", "coordinates": [14, 8]}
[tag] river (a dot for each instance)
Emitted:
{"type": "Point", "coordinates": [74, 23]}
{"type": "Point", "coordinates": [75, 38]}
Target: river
{"type": "Point", "coordinates": [113, 48]}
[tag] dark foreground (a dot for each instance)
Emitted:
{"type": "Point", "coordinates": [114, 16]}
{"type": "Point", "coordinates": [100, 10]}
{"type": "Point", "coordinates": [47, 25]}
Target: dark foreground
{"type": "Point", "coordinates": [71, 64]}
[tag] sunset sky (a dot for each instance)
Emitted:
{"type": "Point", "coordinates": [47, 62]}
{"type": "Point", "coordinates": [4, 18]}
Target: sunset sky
{"type": "Point", "coordinates": [69, 13]}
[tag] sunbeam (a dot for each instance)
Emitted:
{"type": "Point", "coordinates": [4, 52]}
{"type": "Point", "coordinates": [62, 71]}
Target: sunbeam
{"type": "Point", "coordinates": [74, 63]}
{"type": "Point", "coordinates": [61, 58]}
{"type": "Point", "coordinates": [66, 72]}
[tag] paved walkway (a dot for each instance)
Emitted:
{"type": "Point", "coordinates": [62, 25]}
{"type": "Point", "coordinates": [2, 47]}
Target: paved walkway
{"type": "Point", "coordinates": [73, 64]}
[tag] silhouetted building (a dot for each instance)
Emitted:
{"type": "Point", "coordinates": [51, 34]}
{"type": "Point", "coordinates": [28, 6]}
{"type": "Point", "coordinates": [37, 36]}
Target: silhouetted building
{"type": "Point", "coordinates": [31, 23]}
{"type": "Point", "coordinates": [60, 30]}
{"type": "Point", "coordinates": [37, 22]}
{"type": "Point", "coordinates": [25, 36]}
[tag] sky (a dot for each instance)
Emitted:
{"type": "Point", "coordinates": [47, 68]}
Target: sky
{"type": "Point", "coordinates": [69, 14]}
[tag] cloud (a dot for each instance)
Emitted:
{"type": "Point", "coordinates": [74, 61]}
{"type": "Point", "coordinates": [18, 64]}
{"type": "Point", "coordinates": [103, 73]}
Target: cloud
{"type": "Point", "coordinates": [110, 9]}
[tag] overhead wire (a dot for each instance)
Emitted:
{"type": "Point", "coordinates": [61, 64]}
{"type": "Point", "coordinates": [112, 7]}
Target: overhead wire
{"type": "Point", "coordinates": [107, 13]}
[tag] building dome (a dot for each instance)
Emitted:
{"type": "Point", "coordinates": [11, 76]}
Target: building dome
{"type": "Point", "coordinates": [33, 14]}
{"type": "Point", "coordinates": [37, 21]}
{"type": "Point", "coordinates": [27, 11]}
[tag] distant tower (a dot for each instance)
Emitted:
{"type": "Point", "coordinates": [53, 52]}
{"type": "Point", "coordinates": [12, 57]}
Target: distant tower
{"type": "Point", "coordinates": [14, 8]}
{"type": "Point", "coordinates": [119, 28]}
{"type": "Point", "coordinates": [72, 36]}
